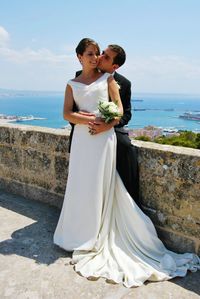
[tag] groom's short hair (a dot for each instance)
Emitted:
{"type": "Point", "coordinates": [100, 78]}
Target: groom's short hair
{"type": "Point", "coordinates": [120, 58]}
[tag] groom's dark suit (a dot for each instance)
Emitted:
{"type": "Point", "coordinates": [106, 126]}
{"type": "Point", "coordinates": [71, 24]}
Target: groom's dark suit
{"type": "Point", "coordinates": [127, 165]}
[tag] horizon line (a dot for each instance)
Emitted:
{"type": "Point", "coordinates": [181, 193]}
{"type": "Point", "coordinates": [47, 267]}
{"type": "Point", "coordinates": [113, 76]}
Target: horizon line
{"type": "Point", "coordinates": [62, 92]}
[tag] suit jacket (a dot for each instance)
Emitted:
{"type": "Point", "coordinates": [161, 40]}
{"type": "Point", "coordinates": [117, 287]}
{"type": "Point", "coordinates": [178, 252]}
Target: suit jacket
{"type": "Point", "coordinates": [125, 95]}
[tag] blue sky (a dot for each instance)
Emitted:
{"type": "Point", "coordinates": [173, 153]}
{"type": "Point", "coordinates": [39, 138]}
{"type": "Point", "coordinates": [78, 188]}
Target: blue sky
{"type": "Point", "coordinates": [161, 39]}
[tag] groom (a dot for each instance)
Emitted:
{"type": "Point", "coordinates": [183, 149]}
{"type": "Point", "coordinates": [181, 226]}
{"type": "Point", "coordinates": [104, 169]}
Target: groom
{"type": "Point", "coordinates": [127, 166]}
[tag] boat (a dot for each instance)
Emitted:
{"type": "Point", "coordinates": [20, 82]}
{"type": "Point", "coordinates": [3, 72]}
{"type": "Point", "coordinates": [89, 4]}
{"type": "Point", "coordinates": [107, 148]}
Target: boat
{"type": "Point", "coordinates": [27, 118]}
{"type": "Point", "coordinates": [15, 118]}
{"type": "Point", "coordinates": [24, 118]}
{"type": "Point", "coordinates": [139, 109]}
{"type": "Point", "coordinates": [170, 130]}
{"type": "Point", "coordinates": [190, 116]}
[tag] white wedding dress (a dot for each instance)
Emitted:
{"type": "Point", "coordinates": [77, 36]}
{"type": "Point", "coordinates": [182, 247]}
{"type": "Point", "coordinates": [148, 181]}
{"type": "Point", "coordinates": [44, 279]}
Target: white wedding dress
{"type": "Point", "coordinates": [109, 234]}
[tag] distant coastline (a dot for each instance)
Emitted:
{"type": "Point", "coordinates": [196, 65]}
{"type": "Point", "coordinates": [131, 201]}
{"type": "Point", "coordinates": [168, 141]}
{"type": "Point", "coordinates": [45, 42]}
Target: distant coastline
{"type": "Point", "coordinates": [23, 93]}
{"type": "Point", "coordinates": [45, 109]}
{"type": "Point", "coordinates": [137, 96]}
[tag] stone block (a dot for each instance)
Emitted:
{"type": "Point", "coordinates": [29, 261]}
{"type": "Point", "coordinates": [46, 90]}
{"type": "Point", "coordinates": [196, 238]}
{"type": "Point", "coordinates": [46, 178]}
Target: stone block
{"type": "Point", "coordinates": [186, 225]}
{"type": "Point", "coordinates": [188, 169]}
{"type": "Point", "coordinates": [60, 187]}
{"type": "Point", "coordinates": [61, 168]}
{"type": "Point", "coordinates": [31, 192]}
{"type": "Point", "coordinates": [177, 242]}
{"type": "Point", "coordinates": [11, 173]}
{"type": "Point", "coordinates": [11, 157]}
{"type": "Point", "coordinates": [169, 181]}
{"type": "Point", "coordinates": [198, 249]}
{"type": "Point", "coordinates": [41, 139]}
{"type": "Point", "coordinates": [16, 136]}
{"type": "Point", "coordinates": [36, 161]}
{"type": "Point", "coordinates": [12, 186]}
{"type": "Point", "coordinates": [62, 145]}
{"type": "Point", "coordinates": [4, 135]}
{"type": "Point", "coordinates": [43, 180]}
{"type": "Point", "coordinates": [43, 195]}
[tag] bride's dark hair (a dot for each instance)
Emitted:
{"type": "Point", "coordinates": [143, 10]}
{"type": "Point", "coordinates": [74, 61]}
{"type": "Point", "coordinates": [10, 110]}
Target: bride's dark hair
{"type": "Point", "coordinates": [84, 43]}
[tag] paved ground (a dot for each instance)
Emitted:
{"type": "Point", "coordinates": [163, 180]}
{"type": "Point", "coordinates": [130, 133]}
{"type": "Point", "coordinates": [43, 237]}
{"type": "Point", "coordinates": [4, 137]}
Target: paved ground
{"type": "Point", "coordinates": [32, 267]}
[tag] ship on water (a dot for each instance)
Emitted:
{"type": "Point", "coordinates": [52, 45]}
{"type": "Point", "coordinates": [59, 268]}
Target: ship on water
{"type": "Point", "coordinates": [14, 118]}
{"type": "Point", "coordinates": [190, 116]}
{"type": "Point", "coordinates": [27, 118]}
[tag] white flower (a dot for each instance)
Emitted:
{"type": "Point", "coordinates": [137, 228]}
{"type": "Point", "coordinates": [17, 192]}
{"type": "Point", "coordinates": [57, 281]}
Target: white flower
{"type": "Point", "coordinates": [118, 85]}
{"type": "Point", "coordinates": [104, 104]}
{"type": "Point", "coordinates": [108, 110]}
{"type": "Point", "coordinates": [113, 108]}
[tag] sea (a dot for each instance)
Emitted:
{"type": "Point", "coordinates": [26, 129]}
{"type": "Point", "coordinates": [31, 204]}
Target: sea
{"type": "Point", "coordinates": [159, 110]}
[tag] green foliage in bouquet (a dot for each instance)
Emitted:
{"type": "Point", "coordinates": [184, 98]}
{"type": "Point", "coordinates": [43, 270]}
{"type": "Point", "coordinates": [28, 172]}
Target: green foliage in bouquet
{"type": "Point", "coordinates": [108, 111]}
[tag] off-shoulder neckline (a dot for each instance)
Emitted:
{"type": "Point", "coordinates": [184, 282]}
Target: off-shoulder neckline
{"type": "Point", "coordinates": [91, 82]}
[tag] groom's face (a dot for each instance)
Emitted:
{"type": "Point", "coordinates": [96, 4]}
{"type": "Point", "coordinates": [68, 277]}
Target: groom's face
{"type": "Point", "coordinates": [106, 61]}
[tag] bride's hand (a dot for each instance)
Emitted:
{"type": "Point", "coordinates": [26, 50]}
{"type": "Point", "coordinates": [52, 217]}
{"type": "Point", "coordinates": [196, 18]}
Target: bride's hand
{"type": "Point", "coordinates": [99, 126]}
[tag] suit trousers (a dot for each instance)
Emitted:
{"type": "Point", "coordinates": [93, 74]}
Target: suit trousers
{"type": "Point", "coordinates": [127, 164]}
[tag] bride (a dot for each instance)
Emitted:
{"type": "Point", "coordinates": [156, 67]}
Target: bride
{"type": "Point", "coordinates": [108, 233]}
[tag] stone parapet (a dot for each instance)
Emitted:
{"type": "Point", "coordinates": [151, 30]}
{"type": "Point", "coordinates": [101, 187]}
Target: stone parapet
{"type": "Point", "coordinates": [170, 192]}
{"type": "Point", "coordinates": [34, 163]}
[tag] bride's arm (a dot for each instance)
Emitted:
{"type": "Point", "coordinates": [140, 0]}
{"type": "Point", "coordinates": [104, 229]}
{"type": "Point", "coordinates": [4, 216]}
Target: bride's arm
{"type": "Point", "coordinates": [70, 115]}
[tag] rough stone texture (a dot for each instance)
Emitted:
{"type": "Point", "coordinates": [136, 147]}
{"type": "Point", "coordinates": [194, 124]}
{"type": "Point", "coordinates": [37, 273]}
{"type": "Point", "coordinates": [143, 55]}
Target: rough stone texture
{"type": "Point", "coordinates": [171, 239]}
{"type": "Point", "coordinates": [170, 191]}
{"type": "Point", "coordinates": [32, 267]}
{"type": "Point", "coordinates": [34, 163]}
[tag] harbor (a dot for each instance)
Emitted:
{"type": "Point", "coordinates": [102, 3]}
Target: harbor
{"type": "Point", "coordinates": [47, 111]}
{"type": "Point", "coordinates": [191, 115]}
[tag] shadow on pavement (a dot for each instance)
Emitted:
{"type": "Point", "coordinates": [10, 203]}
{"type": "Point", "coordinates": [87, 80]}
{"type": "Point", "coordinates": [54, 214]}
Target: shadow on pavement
{"type": "Point", "coordinates": [34, 241]}
{"type": "Point", "coordinates": [190, 282]}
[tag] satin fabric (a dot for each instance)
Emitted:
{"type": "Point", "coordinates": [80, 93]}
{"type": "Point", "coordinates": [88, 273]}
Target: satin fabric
{"type": "Point", "coordinates": [108, 233]}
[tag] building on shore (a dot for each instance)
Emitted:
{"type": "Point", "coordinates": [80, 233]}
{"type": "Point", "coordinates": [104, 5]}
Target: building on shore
{"type": "Point", "coordinates": [153, 132]}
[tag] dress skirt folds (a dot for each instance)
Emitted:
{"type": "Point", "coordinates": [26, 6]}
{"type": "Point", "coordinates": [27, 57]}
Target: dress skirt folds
{"type": "Point", "coordinates": [108, 233]}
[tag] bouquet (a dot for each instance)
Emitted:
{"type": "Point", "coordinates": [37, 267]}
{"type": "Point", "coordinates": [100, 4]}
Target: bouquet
{"type": "Point", "coordinates": [108, 111]}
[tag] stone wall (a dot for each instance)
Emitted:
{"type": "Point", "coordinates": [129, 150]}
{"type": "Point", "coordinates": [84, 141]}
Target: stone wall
{"type": "Point", "coordinates": [170, 193]}
{"type": "Point", "coordinates": [34, 163]}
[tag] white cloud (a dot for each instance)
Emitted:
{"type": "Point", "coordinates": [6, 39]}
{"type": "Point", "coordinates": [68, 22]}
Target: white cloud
{"type": "Point", "coordinates": [163, 73]}
{"type": "Point", "coordinates": [39, 69]}
{"type": "Point", "coordinates": [44, 68]}
{"type": "Point", "coordinates": [172, 66]}
{"type": "Point", "coordinates": [29, 55]}
{"type": "Point", "coordinates": [4, 37]}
